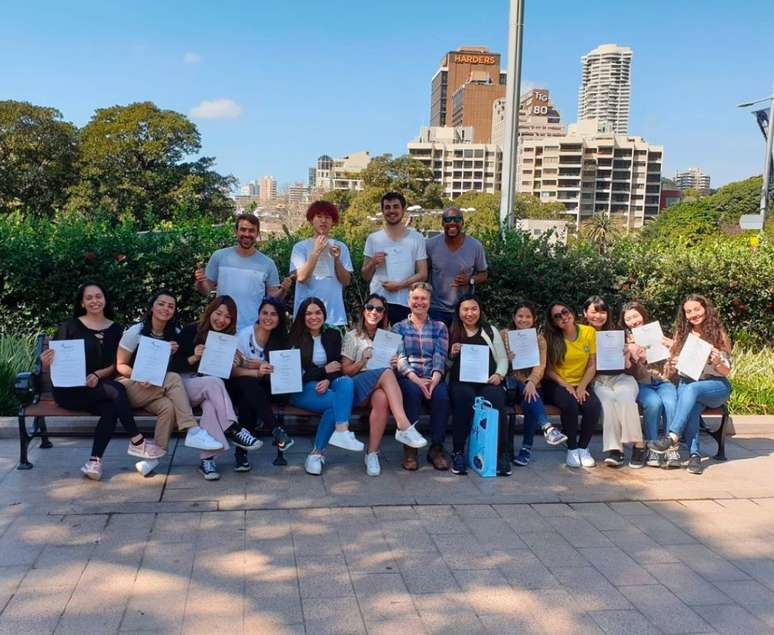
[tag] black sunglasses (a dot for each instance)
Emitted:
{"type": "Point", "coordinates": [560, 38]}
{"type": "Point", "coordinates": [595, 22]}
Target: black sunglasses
{"type": "Point", "coordinates": [452, 219]}
{"type": "Point", "coordinates": [558, 316]}
{"type": "Point", "coordinates": [374, 307]}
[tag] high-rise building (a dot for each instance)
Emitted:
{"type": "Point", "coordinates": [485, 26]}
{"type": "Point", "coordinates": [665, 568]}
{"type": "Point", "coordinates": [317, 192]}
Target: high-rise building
{"type": "Point", "coordinates": [538, 117]}
{"type": "Point", "coordinates": [251, 188]}
{"type": "Point", "coordinates": [298, 193]}
{"type": "Point", "coordinates": [592, 170]}
{"type": "Point", "coordinates": [693, 178]}
{"type": "Point", "coordinates": [476, 71]}
{"type": "Point", "coordinates": [340, 174]}
{"type": "Point", "coordinates": [456, 162]}
{"type": "Point", "coordinates": [268, 189]}
{"type": "Point", "coordinates": [605, 89]}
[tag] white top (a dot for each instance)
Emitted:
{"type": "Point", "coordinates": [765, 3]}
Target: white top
{"type": "Point", "coordinates": [130, 340]}
{"type": "Point", "coordinates": [355, 345]}
{"type": "Point", "coordinates": [319, 358]}
{"type": "Point", "coordinates": [323, 282]}
{"type": "Point", "coordinates": [400, 261]}
{"type": "Point", "coordinates": [248, 346]}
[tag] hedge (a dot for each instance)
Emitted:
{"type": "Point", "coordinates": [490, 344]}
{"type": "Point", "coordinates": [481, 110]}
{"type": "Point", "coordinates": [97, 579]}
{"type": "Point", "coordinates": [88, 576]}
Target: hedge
{"type": "Point", "coordinates": [43, 262]}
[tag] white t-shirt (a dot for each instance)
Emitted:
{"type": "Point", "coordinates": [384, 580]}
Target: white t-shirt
{"type": "Point", "coordinates": [400, 261]}
{"type": "Point", "coordinates": [248, 346]}
{"type": "Point", "coordinates": [319, 357]}
{"type": "Point", "coordinates": [244, 278]}
{"type": "Point", "coordinates": [130, 340]}
{"type": "Point", "coordinates": [323, 283]}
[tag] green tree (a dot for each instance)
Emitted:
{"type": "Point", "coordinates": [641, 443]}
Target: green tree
{"type": "Point", "coordinates": [600, 230]}
{"type": "Point", "coordinates": [689, 222]}
{"type": "Point", "coordinates": [486, 217]}
{"type": "Point", "coordinates": [529, 206]}
{"type": "Point", "coordinates": [38, 154]}
{"type": "Point", "coordinates": [406, 175]}
{"type": "Point", "coordinates": [342, 199]}
{"type": "Point", "coordinates": [132, 165]}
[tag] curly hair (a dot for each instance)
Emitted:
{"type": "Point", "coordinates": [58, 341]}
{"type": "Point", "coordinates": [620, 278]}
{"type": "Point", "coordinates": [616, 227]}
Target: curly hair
{"type": "Point", "coordinates": [712, 329]}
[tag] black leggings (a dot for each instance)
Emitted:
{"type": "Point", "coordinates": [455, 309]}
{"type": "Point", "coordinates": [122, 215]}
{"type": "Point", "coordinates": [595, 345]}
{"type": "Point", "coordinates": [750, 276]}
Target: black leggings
{"type": "Point", "coordinates": [108, 400]}
{"type": "Point", "coordinates": [591, 411]}
{"type": "Point", "coordinates": [252, 399]}
{"type": "Point", "coordinates": [462, 397]}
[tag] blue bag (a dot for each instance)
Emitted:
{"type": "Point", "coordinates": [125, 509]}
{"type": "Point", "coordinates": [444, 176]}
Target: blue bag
{"type": "Point", "coordinates": [482, 443]}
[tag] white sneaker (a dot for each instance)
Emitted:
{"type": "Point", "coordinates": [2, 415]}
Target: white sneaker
{"type": "Point", "coordinates": [346, 440]}
{"type": "Point", "coordinates": [410, 437]}
{"type": "Point", "coordinates": [586, 459]}
{"type": "Point", "coordinates": [573, 458]}
{"type": "Point", "coordinates": [200, 439]}
{"type": "Point", "coordinates": [314, 464]}
{"type": "Point", "coordinates": [372, 464]}
{"type": "Point", "coordinates": [146, 467]}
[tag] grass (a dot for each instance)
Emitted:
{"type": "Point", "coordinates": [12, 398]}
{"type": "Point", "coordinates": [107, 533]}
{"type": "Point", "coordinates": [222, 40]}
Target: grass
{"type": "Point", "coordinates": [752, 376]}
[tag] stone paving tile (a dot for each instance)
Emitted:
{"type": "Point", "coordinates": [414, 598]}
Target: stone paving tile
{"type": "Point", "coordinates": [707, 563]}
{"type": "Point", "coordinates": [448, 613]}
{"type": "Point", "coordinates": [760, 569]}
{"type": "Point", "coordinates": [427, 574]}
{"type": "Point", "coordinates": [33, 612]}
{"type": "Point", "coordinates": [333, 615]}
{"type": "Point", "coordinates": [665, 610]}
{"type": "Point", "coordinates": [552, 549]}
{"type": "Point", "coordinates": [663, 531]}
{"type": "Point", "coordinates": [523, 518]}
{"type": "Point", "coordinates": [601, 516]}
{"type": "Point", "coordinates": [624, 622]}
{"type": "Point", "coordinates": [590, 588]}
{"type": "Point", "coordinates": [631, 509]}
{"type": "Point", "coordinates": [746, 592]}
{"type": "Point", "coordinates": [396, 626]}
{"type": "Point", "coordinates": [733, 619]}
{"type": "Point", "coordinates": [687, 585]}
{"type": "Point", "coordinates": [383, 596]}
{"type": "Point", "coordinates": [523, 569]}
{"type": "Point", "coordinates": [579, 532]}
{"type": "Point", "coordinates": [324, 577]}
{"type": "Point", "coordinates": [617, 566]}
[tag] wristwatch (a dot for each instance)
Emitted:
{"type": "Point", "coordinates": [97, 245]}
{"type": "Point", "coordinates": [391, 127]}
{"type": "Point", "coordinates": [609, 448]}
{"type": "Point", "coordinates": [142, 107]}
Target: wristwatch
{"type": "Point", "coordinates": [472, 282]}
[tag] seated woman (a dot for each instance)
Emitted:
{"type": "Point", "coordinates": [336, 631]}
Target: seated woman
{"type": "Point", "coordinates": [469, 326]}
{"type": "Point", "coordinates": [102, 395]}
{"type": "Point", "coordinates": [527, 383]}
{"type": "Point", "coordinates": [168, 402]}
{"type": "Point", "coordinates": [657, 394]}
{"type": "Point", "coordinates": [249, 384]}
{"type": "Point", "coordinates": [617, 392]}
{"type": "Point", "coordinates": [571, 368]}
{"type": "Point", "coordinates": [218, 416]}
{"type": "Point", "coordinates": [377, 387]}
{"type": "Point", "coordinates": [325, 389]}
{"type": "Point", "coordinates": [697, 315]}
{"type": "Point", "coordinates": [421, 365]}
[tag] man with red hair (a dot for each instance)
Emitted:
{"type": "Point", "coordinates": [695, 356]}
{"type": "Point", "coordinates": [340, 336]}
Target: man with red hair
{"type": "Point", "coordinates": [322, 265]}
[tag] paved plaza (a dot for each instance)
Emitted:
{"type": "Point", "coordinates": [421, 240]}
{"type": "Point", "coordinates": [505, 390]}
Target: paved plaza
{"type": "Point", "coordinates": [549, 550]}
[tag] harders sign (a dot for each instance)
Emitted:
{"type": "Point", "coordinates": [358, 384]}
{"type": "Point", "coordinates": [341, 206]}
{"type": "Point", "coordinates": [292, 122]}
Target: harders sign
{"type": "Point", "coordinates": [467, 58]}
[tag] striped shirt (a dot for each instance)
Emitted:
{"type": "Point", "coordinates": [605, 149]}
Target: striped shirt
{"type": "Point", "coordinates": [423, 350]}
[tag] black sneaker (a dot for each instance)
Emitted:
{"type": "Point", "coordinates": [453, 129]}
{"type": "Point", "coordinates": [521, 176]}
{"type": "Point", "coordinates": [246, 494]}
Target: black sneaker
{"type": "Point", "coordinates": [637, 459]}
{"type": "Point", "coordinates": [243, 439]}
{"type": "Point", "coordinates": [503, 465]}
{"type": "Point", "coordinates": [241, 464]}
{"type": "Point", "coordinates": [614, 458]}
{"type": "Point", "coordinates": [663, 444]}
{"type": "Point", "coordinates": [208, 470]}
{"type": "Point", "coordinates": [281, 439]}
{"type": "Point", "coordinates": [458, 463]}
{"type": "Point", "coordinates": [672, 458]}
{"type": "Point", "coordinates": [694, 464]}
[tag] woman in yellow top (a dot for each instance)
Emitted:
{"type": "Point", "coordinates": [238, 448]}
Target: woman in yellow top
{"type": "Point", "coordinates": [572, 364]}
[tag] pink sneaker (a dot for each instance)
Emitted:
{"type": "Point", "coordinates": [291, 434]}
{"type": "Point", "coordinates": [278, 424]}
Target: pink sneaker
{"type": "Point", "coordinates": [92, 469]}
{"type": "Point", "coordinates": [146, 450]}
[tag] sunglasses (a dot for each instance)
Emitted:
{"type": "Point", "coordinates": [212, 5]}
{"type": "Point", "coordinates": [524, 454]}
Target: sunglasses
{"type": "Point", "coordinates": [563, 313]}
{"type": "Point", "coordinates": [374, 307]}
{"type": "Point", "coordinates": [452, 219]}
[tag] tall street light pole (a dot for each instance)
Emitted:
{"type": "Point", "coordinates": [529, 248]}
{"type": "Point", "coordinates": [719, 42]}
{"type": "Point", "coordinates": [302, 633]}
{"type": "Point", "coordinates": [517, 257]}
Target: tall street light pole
{"type": "Point", "coordinates": [749, 221]}
{"type": "Point", "coordinates": [512, 97]}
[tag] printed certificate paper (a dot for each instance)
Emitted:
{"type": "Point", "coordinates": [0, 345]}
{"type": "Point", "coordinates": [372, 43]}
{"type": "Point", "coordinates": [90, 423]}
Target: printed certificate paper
{"type": "Point", "coordinates": [649, 336]}
{"type": "Point", "coordinates": [474, 363]}
{"type": "Point", "coordinates": [152, 359]}
{"type": "Point", "coordinates": [610, 350]}
{"type": "Point", "coordinates": [693, 357]}
{"type": "Point", "coordinates": [386, 345]}
{"type": "Point", "coordinates": [286, 376]}
{"type": "Point", "coordinates": [399, 263]}
{"type": "Point", "coordinates": [69, 366]}
{"type": "Point", "coordinates": [524, 345]}
{"type": "Point", "coordinates": [218, 358]}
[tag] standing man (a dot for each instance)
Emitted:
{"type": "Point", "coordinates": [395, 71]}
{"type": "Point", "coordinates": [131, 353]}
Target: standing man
{"type": "Point", "coordinates": [457, 264]}
{"type": "Point", "coordinates": [322, 265]}
{"type": "Point", "coordinates": [243, 272]}
{"type": "Point", "coordinates": [395, 258]}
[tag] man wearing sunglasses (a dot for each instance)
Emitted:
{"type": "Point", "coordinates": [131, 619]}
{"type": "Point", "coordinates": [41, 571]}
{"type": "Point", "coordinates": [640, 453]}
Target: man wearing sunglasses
{"type": "Point", "coordinates": [457, 264]}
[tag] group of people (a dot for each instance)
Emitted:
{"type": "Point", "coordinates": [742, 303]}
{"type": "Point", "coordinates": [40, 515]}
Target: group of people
{"type": "Point", "coordinates": [421, 290]}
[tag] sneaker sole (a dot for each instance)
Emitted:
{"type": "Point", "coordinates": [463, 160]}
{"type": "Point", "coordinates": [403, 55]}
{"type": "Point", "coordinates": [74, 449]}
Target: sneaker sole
{"type": "Point", "coordinates": [636, 466]}
{"type": "Point", "coordinates": [520, 464]}
{"type": "Point", "coordinates": [555, 443]}
{"type": "Point", "coordinates": [248, 448]}
{"type": "Point", "coordinates": [210, 477]}
{"type": "Point", "coordinates": [144, 473]}
{"type": "Point", "coordinates": [245, 468]}
{"type": "Point", "coordinates": [142, 455]}
{"type": "Point", "coordinates": [204, 448]}
{"type": "Point", "coordinates": [613, 464]}
{"type": "Point", "coordinates": [92, 476]}
{"type": "Point", "coordinates": [457, 472]}
{"type": "Point", "coordinates": [412, 445]}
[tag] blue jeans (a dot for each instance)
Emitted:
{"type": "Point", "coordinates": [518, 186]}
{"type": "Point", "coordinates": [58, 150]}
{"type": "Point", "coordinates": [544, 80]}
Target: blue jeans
{"type": "Point", "coordinates": [657, 399]}
{"type": "Point", "coordinates": [335, 404]}
{"type": "Point", "coordinates": [534, 414]}
{"type": "Point", "coordinates": [692, 398]}
{"type": "Point", "coordinates": [439, 407]}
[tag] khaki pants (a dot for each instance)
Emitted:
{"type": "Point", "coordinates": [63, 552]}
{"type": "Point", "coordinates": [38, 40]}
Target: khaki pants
{"type": "Point", "coordinates": [169, 403]}
{"type": "Point", "coordinates": [620, 415]}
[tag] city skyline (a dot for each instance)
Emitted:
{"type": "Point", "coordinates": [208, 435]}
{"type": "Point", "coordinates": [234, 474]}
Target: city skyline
{"type": "Point", "coordinates": [347, 84]}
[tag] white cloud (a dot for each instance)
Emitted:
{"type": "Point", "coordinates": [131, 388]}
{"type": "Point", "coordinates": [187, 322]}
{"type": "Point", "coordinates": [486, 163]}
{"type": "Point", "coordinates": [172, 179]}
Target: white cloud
{"type": "Point", "coordinates": [192, 58]}
{"type": "Point", "coordinates": [217, 109]}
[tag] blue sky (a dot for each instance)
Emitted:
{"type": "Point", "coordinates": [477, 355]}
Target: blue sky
{"type": "Point", "coordinates": [308, 78]}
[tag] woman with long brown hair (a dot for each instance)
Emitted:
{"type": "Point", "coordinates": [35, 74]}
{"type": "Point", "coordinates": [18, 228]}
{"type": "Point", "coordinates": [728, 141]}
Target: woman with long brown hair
{"type": "Point", "coordinates": [218, 416]}
{"type": "Point", "coordinates": [697, 316]}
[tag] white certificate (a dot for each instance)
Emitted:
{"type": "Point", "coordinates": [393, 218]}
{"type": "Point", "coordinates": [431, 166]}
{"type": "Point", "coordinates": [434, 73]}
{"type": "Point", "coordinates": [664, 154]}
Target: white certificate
{"type": "Point", "coordinates": [474, 363]}
{"type": "Point", "coordinates": [218, 357]}
{"type": "Point", "coordinates": [610, 350]}
{"type": "Point", "coordinates": [524, 345]}
{"type": "Point", "coordinates": [693, 357]}
{"type": "Point", "coordinates": [649, 336]}
{"type": "Point", "coordinates": [400, 264]}
{"type": "Point", "coordinates": [69, 366]}
{"type": "Point", "coordinates": [286, 376]}
{"type": "Point", "coordinates": [386, 345]}
{"type": "Point", "coordinates": [150, 364]}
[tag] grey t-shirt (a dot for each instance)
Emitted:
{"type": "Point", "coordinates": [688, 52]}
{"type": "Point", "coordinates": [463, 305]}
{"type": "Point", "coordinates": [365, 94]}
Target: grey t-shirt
{"type": "Point", "coordinates": [244, 278]}
{"type": "Point", "coordinates": [445, 265]}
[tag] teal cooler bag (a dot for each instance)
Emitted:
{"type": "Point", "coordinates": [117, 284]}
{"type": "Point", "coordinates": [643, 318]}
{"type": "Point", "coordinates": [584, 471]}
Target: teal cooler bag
{"type": "Point", "coordinates": [482, 443]}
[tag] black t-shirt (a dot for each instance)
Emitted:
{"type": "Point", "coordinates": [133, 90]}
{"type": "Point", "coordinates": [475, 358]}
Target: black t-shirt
{"type": "Point", "coordinates": [475, 339]}
{"type": "Point", "coordinates": [186, 345]}
{"type": "Point", "coordinates": [100, 345]}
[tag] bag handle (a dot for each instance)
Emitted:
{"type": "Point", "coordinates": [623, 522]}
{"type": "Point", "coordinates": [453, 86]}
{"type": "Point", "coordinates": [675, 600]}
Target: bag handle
{"type": "Point", "coordinates": [481, 402]}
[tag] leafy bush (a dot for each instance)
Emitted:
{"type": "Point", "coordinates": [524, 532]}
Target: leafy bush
{"type": "Point", "coordinates": [16, 355]}
{"type": "Point", "coordinates": [752, 378]}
